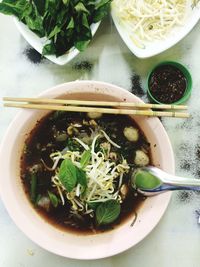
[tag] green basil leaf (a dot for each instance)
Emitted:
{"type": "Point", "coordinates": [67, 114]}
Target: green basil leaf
{"type": "Point", "coordinates": [33, 187]}
{"type": "Point", "coordinates": [81, 8]}
{"type": "Point", "coordinates": [67, 175]}
{"type": "Point", "coordinates": [85, 22]}
{"type": "Point", "coordinates": [34, 22]}
{"type": "Point", "coordinates": [93, 205]}
{"type": "Point", "coordinates": [40, 5]}
{"type": "Point", "coordinates": [107, 212]}
{"type": "Point", "coordinates": [53, 198]}
{"type": "Point", "coordinates": [101, 10]}
{"type": "Point", "coordinates": [49, 49]}
{"type": "Point", "coordinates": [71, 24]}
{"type": "Point", "coordinates": [102, 3]}
{"type": "Point", "coordinates": [81, 45]}
{"type": "Point", "coordinates": [12, 7]}
{"type": "Point", "coordinates": [85, 158]}
{"type": "Point", "coordinates": [81, 178]}
{"type": "Point", "coordinates": [28, 9]}
{"type": "Point", "coordinates": [54, 32]}
{"type": "Point", "coordinates": [66, 2]}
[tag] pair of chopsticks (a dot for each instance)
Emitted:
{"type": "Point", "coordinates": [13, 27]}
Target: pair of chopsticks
{"type": "Point", "coordinates": [140, 109]}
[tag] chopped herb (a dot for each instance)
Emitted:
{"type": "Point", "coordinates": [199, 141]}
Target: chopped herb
{"type": "Point", "coordinates": [73, 145]}
{"type": "Point", "coordinates": [53, 198]}
{"type": "Point", "coordinates": [33, 187]}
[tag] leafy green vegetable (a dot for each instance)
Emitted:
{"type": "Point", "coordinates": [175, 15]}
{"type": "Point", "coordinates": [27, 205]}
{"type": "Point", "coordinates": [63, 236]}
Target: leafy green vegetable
{"type": "Point", "coordinates": [107, 212]}
{"type": "Point", "coordinates": [38, 198]}
{"type": "Point", "coordinates": [67, 175]}
{"type": "Point", "coordinates": [33, 187]}
{"type": "Point", "coordinates": [13, 7]}
{"type": "Point", "coordinates": [65, 23]}
{"type": "Point", "coordinates": [81, 8]}
{"type": "Point", "coordinates": [40, 5]}
{"type": "Point", "coordinates": [73, 145]}
{"type": "Point", "coordinates": [70, 176]}
{"type": "Point", "coordinates": [49, 49]}
{"type": "Point", "coordinates": [93, 205]}
{"type": "Point", "coordinates": [81, 45]}
{"type": "Point", "coordinates": [85, 158]}
{"type": "Point", "coordinates": [53, 198]}
{"type": "Point", "coordinates": [101, 10]}
{"type": "Point", "coordinates": [81, 178]}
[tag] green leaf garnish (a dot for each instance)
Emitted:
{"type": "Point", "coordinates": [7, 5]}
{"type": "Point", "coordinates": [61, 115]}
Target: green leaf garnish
{"type": "Point", "coordinates": [93, 205]}
{"type": "Point", "coordinates": [48, 49]}
{"type": "Point", "coordinates": [81, 8]}
{"type": "Point", "coordinates": [81, 178]}
{"type": "Point", "coordinates": [81, 45]}
{"type": "Point", "coordinates": [85, 158]}
{"type": "Point", "coordinates": [67, 175]}
{"type": "Point", "coordinates": [53, 198]}
{"type": "Point", "coordinates": [107, 212]}
{"type": "Point", "coordinates": [33, 187]}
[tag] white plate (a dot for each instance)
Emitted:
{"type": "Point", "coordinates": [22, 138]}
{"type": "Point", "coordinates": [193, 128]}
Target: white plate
{"type": "Point", "coordinates": [38, 43]}
{"type": "Point", "coordinates": [65, 243]}
{"type": "Point", "coordinates": [156, 47]}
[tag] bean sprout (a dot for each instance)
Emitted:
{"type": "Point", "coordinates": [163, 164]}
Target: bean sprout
{"type": "Point", "coordinates": [149, 20]}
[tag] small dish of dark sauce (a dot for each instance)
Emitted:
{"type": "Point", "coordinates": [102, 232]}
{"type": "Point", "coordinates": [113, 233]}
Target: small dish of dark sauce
{"type": "Point", "coordinates": [169, 83]}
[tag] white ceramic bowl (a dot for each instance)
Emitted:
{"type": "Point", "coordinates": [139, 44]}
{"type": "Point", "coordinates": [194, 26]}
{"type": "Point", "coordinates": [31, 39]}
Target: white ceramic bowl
{"type": "Point", "coordinates": [156, 47]}
{"type": "Point", "coordinates": [38, 43]}
{"type": "Point", "coordinates": [46, 235]}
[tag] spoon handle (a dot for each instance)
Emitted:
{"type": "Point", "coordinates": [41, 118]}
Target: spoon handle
{"type": "Point", "coordinates": [179, 181]}
{"type": "Point", "coordinates": [174, 180]}
{"type": "Point", "coordinates": [164, 188]}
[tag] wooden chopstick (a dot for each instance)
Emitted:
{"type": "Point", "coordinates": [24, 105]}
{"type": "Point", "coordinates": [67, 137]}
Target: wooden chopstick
{"type": "Point", "coordinates": [95, 103]}
{"type": "Point", "coordinates": [145, 112]}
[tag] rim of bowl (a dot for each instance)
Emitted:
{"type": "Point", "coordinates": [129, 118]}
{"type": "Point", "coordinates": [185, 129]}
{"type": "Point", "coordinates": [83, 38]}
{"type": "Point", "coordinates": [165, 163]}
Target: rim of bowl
{"type": "Point", "coordinates": [185, 72]}
{"type": "Point", "coordinates": [26, 229]}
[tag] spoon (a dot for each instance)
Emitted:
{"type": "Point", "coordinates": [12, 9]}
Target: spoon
{"type": "Point", "coordinates": [150, 181]}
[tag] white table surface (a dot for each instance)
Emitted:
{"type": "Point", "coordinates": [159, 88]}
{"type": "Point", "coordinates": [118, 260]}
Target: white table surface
{"type": "Point", "coordinates": [176, 239]}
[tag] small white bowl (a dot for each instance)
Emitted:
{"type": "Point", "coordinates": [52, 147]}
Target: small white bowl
{"type": "Point", "coordinates": [48, 236]}
{"type": "Point", "coordinates": [37, 43]}
{"type": "Point", "coordinates": [156, 47]}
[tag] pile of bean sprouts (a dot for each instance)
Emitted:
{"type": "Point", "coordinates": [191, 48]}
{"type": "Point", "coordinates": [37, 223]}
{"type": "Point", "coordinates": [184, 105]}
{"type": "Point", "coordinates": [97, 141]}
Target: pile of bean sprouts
{"type": "Point", "coordinates": [149, 20]}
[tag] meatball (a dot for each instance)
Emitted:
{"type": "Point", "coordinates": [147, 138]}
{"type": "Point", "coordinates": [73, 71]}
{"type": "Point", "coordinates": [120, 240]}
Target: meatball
{"type": "Point", "coordinates": [131, 134]}
{"type": "Point", "coordinates": [141, 159]}
{"type": "Point", "coordinates": [94, 115]}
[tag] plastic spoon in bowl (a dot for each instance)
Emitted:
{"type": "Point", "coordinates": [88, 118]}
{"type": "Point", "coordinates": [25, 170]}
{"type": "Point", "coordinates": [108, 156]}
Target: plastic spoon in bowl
{"type": "Point", "coordinates": [150, 181]}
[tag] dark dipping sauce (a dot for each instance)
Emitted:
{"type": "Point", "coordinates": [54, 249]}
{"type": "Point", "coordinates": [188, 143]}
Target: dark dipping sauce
{"type": "Point", "coordinates": [167, 84]}
{"type": "Point", "coordinates": [50, 135]}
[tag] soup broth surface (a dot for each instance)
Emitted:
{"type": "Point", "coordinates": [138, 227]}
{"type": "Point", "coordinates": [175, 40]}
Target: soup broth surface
{"type": "Point", "coordinates": [62, 136]}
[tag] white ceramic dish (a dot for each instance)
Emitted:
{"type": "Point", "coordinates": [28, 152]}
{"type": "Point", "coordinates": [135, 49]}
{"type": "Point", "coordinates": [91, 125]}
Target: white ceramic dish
{"type": "Point", "coordinates": [156, 47]}
{"type": "Point", "coordinates": [38, 43]}
{"type": "Point", "coordinates": [46, 235]}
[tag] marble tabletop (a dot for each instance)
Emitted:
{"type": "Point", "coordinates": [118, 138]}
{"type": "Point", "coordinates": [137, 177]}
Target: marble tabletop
{"type": "Point", "coordinates": [176, 239]}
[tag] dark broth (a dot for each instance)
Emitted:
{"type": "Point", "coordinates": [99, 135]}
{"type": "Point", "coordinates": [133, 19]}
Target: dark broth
{"type": "Point", "coordinates": [42, 142]}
